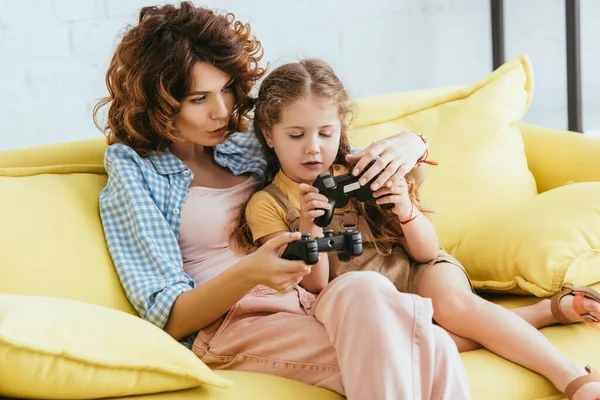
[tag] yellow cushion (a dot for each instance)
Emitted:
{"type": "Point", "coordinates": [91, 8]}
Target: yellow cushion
{"type": "Point", "coordinates": [472, 134]}
{"type": "Point", "coordinates": [63, 349]}
{"type": "Point", "coordinates": [51, 237]}
{"type": "Point", "coordinates": [538, 245]}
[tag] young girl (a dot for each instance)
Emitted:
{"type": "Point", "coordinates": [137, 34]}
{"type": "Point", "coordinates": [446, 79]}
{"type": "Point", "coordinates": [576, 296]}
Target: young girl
{"type": "Point", "coordinates": [301, 117]}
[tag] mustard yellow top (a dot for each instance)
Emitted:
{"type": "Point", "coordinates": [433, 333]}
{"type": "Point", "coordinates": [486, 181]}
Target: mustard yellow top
{"type": "Point", "coordinates": [265, 216]}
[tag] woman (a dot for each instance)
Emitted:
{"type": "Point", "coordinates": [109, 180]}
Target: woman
{"type": "Point", "coordinates": [180, 166]}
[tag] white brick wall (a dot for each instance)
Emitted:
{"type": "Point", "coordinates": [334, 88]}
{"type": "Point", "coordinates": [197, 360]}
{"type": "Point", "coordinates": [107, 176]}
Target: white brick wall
{"type": "Point", "coordinates": [54, 53]}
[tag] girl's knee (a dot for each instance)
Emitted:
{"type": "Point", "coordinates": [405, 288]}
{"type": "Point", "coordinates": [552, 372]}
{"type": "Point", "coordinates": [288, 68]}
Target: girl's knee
{"type": "Point", "coordinates": [443, 340]}
{"type": "Point", "coordinates": [453, 306]}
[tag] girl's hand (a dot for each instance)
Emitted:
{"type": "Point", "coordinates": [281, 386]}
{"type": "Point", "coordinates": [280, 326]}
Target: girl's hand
{"type": "Point", "coordinates": [397, 195]}
{"type": "Point", "coordinates": [266, 267]}
{"type": "Point", "coordinates": [312, 204]}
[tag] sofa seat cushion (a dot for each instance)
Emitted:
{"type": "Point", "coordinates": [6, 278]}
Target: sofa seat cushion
{"type": "Point", "coordinates": [493, 378]}
{"type": "Point", "coordinates": [63, 349]}
{"type": "Point", "coordinates": [247, 386]}
{"type": "Point", "coordinates": [490, 376]}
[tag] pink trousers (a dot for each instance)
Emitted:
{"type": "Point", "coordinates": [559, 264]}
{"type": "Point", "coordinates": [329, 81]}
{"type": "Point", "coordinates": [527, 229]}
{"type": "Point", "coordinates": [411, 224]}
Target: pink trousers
{"type": "Point", "coordinates": [360, 338]}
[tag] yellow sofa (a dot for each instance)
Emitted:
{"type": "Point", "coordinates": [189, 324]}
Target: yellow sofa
{"type": "Point", "coordinates": [51, 239]}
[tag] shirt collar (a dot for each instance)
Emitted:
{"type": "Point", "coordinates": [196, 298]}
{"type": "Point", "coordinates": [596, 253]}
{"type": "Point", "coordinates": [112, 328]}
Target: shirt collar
{"type": "Point", "coordinates": [282, 180]}
{"type": "Point", "coordinates": [167, 163]}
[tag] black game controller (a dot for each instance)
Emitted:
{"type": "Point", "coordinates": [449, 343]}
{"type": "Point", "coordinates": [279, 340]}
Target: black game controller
{"type": "Point", "coordinates": [348, 245]}
{"type": "Point", "coordinates": [340, 189]}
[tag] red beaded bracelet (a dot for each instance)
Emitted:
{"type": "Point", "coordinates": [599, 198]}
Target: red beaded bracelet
{"type": "Point", "coordinates": [411, 216]}
{"type": "Point", "coordinates": [423, 159]}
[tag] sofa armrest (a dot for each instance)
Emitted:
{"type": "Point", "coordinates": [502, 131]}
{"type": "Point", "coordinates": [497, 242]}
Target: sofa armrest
{"type": "Point", "coordinates": [556, 157]}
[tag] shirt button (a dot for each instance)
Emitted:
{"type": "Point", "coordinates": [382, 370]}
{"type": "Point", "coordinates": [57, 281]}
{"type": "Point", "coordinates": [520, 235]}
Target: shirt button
{"type": "Point", "coordinates": [186, 172]}
{"type": "Point", "coordinates": [176, 211]}
{"type": "Point", "coordinates": [336, 167]}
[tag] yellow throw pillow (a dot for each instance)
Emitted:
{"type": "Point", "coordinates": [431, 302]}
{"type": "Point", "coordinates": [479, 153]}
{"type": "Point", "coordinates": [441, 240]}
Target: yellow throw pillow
{"type": "Point", "coordinates": [51, 237]}
{"type": "Point", "coordinates": [63, 349]}
{"type": "Point", "coordinates": [472, 134]}
{"type": "Point", "coordinates": [538, 245]}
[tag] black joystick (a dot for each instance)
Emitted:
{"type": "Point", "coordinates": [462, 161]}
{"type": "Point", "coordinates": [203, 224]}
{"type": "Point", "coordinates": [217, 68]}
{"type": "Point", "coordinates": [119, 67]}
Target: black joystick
{"type": "Point", "coordinates": [347, 244]}
{"type": "Point", "coordinates": [340, 189]}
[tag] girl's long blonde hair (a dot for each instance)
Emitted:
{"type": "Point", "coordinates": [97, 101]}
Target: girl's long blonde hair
{"type": "Point", "coordinates": [286, 85]}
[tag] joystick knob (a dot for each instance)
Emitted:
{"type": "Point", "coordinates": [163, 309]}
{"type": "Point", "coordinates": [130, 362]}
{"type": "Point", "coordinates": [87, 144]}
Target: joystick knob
{"type": "Point", "coordinates": [329, 183]}
{"type": "Point", "coordinates": [306, 236]}
{"type": "Point", "coordinates": [328, 233]}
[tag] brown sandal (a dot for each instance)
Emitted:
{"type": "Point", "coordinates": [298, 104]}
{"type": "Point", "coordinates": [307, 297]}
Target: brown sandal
{"type": "Point", "coordinates": [573, 387]}
{"type": "Point", "coordinates": [580, 294]}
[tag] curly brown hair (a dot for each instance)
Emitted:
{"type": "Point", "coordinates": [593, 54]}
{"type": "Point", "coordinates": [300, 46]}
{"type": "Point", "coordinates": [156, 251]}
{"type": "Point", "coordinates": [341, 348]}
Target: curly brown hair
{"type": "Point", "coordinates": [151, 72]}
{"type": "Point", "coordinates": [296, 81]}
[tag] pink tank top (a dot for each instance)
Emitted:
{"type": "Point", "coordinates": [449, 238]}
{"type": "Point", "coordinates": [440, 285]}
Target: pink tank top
{"type": "Point", "coordinates": [208, 217]}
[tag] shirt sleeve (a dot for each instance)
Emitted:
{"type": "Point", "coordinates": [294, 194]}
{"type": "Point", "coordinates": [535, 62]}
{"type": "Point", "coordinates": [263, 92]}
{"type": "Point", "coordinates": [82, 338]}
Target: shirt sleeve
{"type": "Point", "coordinates": [265, 216]}
{"type": "Point", "coordinates": [242, 153]}
{"type": "Point", "coordinates": [140, 240]}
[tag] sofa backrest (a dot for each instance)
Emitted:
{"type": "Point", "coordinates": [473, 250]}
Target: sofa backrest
{"type": "Point", "coordinates": [51, 237]}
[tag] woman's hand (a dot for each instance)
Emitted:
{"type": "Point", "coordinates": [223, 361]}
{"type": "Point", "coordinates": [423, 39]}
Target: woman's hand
{"type": "Point", "coordinates": [312, 204]}
{"type": "Point", "coordinates": [398, 196]}
{"type": "Point", "coordinates": [398, 155]}
{"type": "Point", "coordinates": [266, 267]}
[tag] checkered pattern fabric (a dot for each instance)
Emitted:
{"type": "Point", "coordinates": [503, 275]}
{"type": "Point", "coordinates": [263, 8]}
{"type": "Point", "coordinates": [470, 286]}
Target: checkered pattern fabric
{"type": "Point", "coordinates": [140, 209]}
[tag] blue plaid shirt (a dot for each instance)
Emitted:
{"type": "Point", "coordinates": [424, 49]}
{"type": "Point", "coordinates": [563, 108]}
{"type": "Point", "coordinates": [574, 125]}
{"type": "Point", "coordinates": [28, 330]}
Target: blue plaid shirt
{"type": "Point", "coordinates": [140, 209]}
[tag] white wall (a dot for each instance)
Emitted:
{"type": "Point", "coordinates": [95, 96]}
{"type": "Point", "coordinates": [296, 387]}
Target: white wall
{"type": "Point", "coordinates": [54, 53]}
